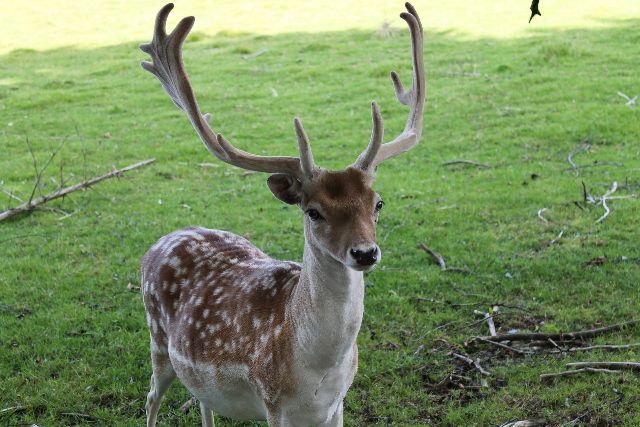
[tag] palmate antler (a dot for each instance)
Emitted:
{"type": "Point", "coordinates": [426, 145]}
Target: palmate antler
{"type": "Point", "coordinates": [167, 66]}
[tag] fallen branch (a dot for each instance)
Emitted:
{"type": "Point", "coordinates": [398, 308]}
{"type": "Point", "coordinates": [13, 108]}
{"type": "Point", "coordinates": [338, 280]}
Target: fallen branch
{"type": "Point", "coordinates": [490, 323]}
{"type": "Point", "coordinates": [557, 238]}
{"type": "Point", "coordinates": [525, 423]}
{"type": "Point", "coordinates": [439, 259]}
{"type": "Point", "coordinates": [540, 212]}
{"type": "Point", "coordinates": [188, 404]}
{"type": "Point", "coordinates": [471, 362]}
{"type": "Point", "coordinates": [558, 336]}
{"type": "Point", "coordinates": [595, 164]}
{"type": "Point", "coordinates": [506, 347]}
{"type": "Point", "coordinates": [581, 148]}
{"type": "Point", "coordinates": [33, 204]}
{"type": "Point", "coordinates": [467, 162]}
{"type": "Point", "coordinates": [602, 200]}
{"type": "Point", "coordinates": [635, 366]}
{"type": "Point", "coordinates": [436, 257]}
{"type": "Point", "coordinates": [604, 347]}
{"type": "Point", "coordinates": [577, 372]}
{"type": "Point", "coordinates": [255, 54]}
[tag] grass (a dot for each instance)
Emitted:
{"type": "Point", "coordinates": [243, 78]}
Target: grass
{"type": "Point", "coordinates": [73, 339]}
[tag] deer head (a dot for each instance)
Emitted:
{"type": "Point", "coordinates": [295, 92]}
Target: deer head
{"type": "Point", "coordinates": [341, 208]}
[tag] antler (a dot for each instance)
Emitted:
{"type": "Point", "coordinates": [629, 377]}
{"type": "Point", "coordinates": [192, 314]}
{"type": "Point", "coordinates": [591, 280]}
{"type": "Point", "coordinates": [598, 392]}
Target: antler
{"type": "Point", "coordinates": [167, 66]}
{"type": "Point", "coordinates": [377, 152]}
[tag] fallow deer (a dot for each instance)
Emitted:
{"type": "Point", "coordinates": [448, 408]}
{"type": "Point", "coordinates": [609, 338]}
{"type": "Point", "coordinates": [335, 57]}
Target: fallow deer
{"type": "Point", "coordinates": [252, 337]}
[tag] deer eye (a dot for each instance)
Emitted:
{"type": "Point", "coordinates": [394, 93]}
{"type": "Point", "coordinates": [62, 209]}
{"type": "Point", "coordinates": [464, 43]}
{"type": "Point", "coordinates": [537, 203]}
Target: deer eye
{"type": "Point", "coordinates": [314, 215]}
{"type": "Point", "coordinates": [379, 206]}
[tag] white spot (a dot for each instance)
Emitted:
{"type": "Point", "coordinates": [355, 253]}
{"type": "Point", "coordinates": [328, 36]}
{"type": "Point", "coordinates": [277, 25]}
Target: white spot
{"type": "Point", "coordinates": [277, 330]}
{"type": "Point", "coordinates": [205, 313]}
{"type": "Point", "coordinates": [256, 322]}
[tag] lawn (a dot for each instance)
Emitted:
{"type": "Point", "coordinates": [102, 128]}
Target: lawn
{"type": "Point", "coordinates": [517, 97]}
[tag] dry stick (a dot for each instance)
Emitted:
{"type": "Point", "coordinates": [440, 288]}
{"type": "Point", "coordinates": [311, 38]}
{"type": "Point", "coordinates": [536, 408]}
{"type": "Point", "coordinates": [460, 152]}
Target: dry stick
{"type": "Point", "coordinates": [557, 238]}
{"type": "Point", "coordinates": [582, 147]}
{"type": "Point", "coordinates": [471, 362]}
{"type": "Point", "coordinates": [577, 372]}
{"type": "Point", "coordinates": [467, 162]}
{"type": "Point", "coordinates": [439, 259]}
{"type": "Point", "coordinates": [526, 423]}
{"type": "Point", "coordinates": [606, 365]}
{"type": "Point", "coordinates": [188, 404]}
{"type": "Point", "coordinates": [561, 336]}
{"type": "Point", "coordinates": [595, 165]}
{"type": "Point", "coordinates": [32, 204]}
{"type": "Point", "coordinates": [540, 212]}
{"type": "Point", "coordinates": [604, 347]}
{"type": "Point", "coordinates": [436, 257]}
{"type": "Point", "coordinates": [603, 200]}
{"type": "Point", "coordinates": [507, 347]}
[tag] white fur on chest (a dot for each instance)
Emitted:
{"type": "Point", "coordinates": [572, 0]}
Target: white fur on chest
{"type": "Point", "coordinates": [321, 391]}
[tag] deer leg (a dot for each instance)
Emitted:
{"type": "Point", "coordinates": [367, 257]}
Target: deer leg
{"type": "Point", "coordinates": [207, 416]}
{"type": "Point", "coordinates": [162, 377]}
{"type": "Point", "coordinates": [336, 420]}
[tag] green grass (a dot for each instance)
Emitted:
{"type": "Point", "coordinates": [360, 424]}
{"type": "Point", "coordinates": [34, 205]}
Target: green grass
{"type": "Point", "coordinates": [73, 338]}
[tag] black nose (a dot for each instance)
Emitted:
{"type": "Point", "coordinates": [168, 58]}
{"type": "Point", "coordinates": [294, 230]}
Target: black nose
{"type": "Point", "coordinates": [364, 258]}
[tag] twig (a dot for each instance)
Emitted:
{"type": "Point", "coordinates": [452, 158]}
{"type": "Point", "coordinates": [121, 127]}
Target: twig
{"type": "Point", "coordinates": [604, 347]}
{"type": "Point", "coordinates": [12, 196]}
{"type": "Point", "coordinates": [525, 423]}
{"type": "Point", "coordinates": [466, 162]}
{"type": "Point", "coordinates": [188, 404]}
{"type": "Point", "coordinates": [603, 201]}
{"type": "Point", "coordinates": [581, 148]}
{"type": "Point", "coordinates": [557, 238]}
{"type": "Point", "coordinates": [13, 410]}
{"type": "Point", "coordinates": [79, 415]}
{"type": "Point", "coordinates": [606, 365]}
{"type": "Point", "coordinates": [560, 336]}
{"type": "Point", "coordinates": [540, 212]}
{"type": "Point", "coordinates": [489, 319]}
{"type": "Point", "coordinates": [577, 372]}
{"type": "Point", "coordinates": [471, 362]}
{"type": "Point", "coordinates": [32, 204]}
{"type": "Point", "coordinates": [595, 164]}
{"type": "Point", "coordinates": [507, 347]}
{"type": "Point", "coordinates": [255, 54]}
{"type": "Point", "coordinates": [436, 257]}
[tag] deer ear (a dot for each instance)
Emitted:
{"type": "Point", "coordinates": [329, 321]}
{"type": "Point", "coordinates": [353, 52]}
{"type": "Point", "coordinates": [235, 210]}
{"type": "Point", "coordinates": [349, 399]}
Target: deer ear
{"type": "Point", "coordinates": [285, 188]}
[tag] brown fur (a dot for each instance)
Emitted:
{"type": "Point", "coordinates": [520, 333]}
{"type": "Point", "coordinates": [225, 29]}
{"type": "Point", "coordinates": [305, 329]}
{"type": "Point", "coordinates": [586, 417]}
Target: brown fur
{"type": "Point", "coordinates": [222, 301]}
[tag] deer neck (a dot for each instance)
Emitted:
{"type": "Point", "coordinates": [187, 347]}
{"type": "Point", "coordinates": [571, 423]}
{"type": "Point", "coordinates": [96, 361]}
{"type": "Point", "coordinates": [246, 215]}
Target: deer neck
{"type": "Point", "coordinates": [327, 309]}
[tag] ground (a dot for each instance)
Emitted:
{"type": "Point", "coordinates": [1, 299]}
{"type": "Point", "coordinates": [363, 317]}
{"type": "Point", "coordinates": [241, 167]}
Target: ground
{"type": "Point", "coordinates": [517, 97]}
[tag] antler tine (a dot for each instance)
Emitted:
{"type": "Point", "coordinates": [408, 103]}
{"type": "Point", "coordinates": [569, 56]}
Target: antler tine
{"type": "Point", "coordinates": [367, 157]}
{"type": "Point", "coordinates": [414, 98]}
{"type": "Point", "coordinates": [307, 164]}
{"type": "Point", "coordinates": [167, 65]}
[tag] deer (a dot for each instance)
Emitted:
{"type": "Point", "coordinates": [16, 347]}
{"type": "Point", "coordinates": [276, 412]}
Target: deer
{"type": "Point", "coordinates": [252, 337]}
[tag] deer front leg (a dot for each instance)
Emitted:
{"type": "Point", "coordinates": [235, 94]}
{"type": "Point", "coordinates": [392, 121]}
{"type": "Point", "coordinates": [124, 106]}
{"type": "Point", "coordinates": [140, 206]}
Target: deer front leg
{"type": "Point", "coordinates": [207, 416]}
{"type": "Point", "coordinates": [336, 420]}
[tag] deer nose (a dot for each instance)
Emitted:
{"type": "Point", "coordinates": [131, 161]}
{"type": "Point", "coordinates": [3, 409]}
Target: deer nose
{"type": "Point", "coordinates": [365, 256]}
